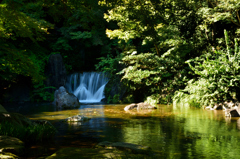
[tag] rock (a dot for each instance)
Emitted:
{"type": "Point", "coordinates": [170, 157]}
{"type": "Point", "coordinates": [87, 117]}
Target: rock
{"type": "Point", "coordinates": [224, 106]}
{"type": "Point", "coordinates": [218, 107]}
{"type": "Point", "coordinates": [8, 155]}
{"type": "Point", "coordinates": [11, 145]}
{"type": "Point", "coordinates": [65, 100]}
{"type": "Point", "coordinates": [232, 109]}
{"type": "Point", "coordinates": [86, 153]}
{"type": "Point", "coordinates": [232, 113]}
{"type": "Point", "coordinates": [229, 105]}
{"type": "Point", "coordinates": [139, 106]}
{"type": "Point", "coordinates": [133, 148]}
{"type": "Point", "coordinates": [131, 106]}
{"type": "Point", "coordinates": [77, 118]}
{"type": "Point", "coordinates": [56, 71]}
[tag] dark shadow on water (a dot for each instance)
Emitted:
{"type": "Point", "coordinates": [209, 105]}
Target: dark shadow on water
{"type": "Point", "coordinates": [28, 108]}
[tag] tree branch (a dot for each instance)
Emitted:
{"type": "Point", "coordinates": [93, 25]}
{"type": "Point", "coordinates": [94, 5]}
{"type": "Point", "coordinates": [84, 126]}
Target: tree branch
{"type": "Point", "coordinates": [238, 16]}
{"type": "Point", "coordinates": [156, 47]}
{"type": "Point", "coordinates": [234, 22]}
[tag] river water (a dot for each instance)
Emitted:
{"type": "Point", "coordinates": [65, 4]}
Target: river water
{"type": "Point", "coordinates": [174, 132]}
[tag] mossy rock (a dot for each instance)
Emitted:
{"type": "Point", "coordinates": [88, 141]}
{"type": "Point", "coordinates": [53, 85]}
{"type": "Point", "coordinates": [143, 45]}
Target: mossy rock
{"type": "Point", "coordinates": [128, 147]}
{"type": "Point", "coordinates": [11, 145]}
{"type": "Point", "coordinates": [76, 153]}
{"type": "Point", "coordinates": [8, 156]}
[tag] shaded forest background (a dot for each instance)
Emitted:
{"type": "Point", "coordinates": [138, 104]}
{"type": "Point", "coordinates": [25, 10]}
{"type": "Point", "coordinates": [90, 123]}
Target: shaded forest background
{"type": "Point", "coordinates": [154, 50]}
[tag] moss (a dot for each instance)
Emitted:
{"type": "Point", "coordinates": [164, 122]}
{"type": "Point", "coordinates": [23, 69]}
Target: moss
{"type": "Point", "coordinates": [76, 153]}
{"type": "Point", "coordinates": [8, 155]}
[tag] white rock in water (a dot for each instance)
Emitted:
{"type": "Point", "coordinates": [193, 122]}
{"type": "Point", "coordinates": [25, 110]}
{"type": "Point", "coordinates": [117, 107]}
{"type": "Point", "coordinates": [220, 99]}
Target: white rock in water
{"type": "Point", "coordinates": [77, 118]}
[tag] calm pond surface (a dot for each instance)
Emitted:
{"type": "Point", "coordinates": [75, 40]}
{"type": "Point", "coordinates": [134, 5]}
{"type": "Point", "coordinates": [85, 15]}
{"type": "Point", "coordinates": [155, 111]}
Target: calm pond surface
{"type": "Point", "coordinates": [174, 132]}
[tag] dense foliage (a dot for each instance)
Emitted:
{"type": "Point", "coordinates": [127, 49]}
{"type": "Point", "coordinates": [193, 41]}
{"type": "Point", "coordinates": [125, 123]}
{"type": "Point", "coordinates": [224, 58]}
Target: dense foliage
{"type": "Point", "coordinates": [30, 134]}
{"type": "Point", "coordinates": [142, 45]}
{"type": "Point", "coordinates": [165, 34]}
{"type": "Point", "coordinates": [218, 80]}
{"type": "Point", "coordinates": [33, 30]}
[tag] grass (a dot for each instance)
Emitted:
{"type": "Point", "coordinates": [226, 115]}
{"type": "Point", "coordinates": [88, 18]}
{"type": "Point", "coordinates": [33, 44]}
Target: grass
{"type": "Point", "coordinates": [33, 133]}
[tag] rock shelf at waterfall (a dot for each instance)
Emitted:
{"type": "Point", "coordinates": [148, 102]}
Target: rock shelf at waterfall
{"type": "Point", "coordinates": [88, 87]}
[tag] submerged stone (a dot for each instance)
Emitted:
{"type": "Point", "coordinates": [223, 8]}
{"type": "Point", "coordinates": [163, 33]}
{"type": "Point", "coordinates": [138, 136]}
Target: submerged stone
{"type": "Point", "coordinates": [93, 153]}
{"type": "Point", "coordinates": [129, 147]}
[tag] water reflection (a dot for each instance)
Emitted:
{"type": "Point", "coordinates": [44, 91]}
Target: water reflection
{"type": "Point", "coordinates": [173, 132]}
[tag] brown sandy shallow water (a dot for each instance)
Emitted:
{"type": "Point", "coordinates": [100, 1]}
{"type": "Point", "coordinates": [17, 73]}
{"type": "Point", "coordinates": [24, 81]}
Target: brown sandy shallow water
{"type": "Point", "coordinates": [174, 132]}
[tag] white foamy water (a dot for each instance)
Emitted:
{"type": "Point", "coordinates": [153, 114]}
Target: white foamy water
{"type": "Point", "coordinates": [88, 87]}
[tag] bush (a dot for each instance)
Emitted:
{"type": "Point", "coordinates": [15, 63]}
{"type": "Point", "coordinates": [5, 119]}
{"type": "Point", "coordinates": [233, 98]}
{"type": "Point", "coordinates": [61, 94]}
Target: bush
{"type": "Point", "coordinates": [148, 74]}
{"type": "Point", "coordinates": [32, 133]}
{"type": "Point", "coordinates": [218, 78]}
{"type": "Point", "coordinates": [115, 99]}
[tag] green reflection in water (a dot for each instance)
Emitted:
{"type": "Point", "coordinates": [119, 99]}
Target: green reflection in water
{"type": "Point", "coordinates": [173, 132]}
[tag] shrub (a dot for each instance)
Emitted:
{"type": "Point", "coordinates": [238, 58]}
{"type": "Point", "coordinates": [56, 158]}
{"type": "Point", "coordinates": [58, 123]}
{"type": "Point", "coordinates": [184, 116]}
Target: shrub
{"type": "Point", "coordinates": [218, 78]}
{"type": "Point", "coordinates": [33, 133]}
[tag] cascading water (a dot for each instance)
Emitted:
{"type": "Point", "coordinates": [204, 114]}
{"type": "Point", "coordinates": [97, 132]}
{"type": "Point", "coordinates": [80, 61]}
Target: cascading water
{"type": "Point", "coordinates": [88, 87]}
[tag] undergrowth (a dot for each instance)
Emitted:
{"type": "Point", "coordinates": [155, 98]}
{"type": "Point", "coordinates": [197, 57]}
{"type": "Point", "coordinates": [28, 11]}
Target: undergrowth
{"type": "Point", "coordinates": [33, 133]}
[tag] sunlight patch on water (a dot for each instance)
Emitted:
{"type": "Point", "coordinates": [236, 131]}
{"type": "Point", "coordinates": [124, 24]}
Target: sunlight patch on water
{"type": "Point", "coordinates": [171, 131]}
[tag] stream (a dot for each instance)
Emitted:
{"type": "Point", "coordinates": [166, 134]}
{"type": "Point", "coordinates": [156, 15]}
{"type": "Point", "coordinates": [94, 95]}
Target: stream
{"type": "Point", "coordinates": [174, 132]}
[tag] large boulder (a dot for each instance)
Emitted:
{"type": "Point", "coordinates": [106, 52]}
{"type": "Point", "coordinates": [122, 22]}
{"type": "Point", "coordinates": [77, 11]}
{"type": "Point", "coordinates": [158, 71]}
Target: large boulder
{"type": "Point", "coordinates": [65, 100]}
{"type": "Point", "coordinates": [56, 71]}
{"type": "Point", "coordinates": [139, 106]}
{"type": "Point", "coordinates": [232, 109]}
{"type": "Point", "coordinates": [234, 112]}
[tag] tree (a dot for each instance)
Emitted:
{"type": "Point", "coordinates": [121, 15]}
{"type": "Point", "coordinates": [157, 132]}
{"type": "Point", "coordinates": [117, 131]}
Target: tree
{"type": "Point", "coordinates": [16, 24]}
{"type": "Point", "coordinates": [155, 66]}
{"type": "Point", "coordinates": [218, 79]}
{"type": "Point", "coordinates": [22, 31]}
{"type": "Point", "coordinates": [82, 37]}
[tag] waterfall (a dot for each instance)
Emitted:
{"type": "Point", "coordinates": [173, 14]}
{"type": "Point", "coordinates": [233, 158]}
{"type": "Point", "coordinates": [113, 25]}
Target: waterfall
{"type": "Point", "coordinates": [88, 87]}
